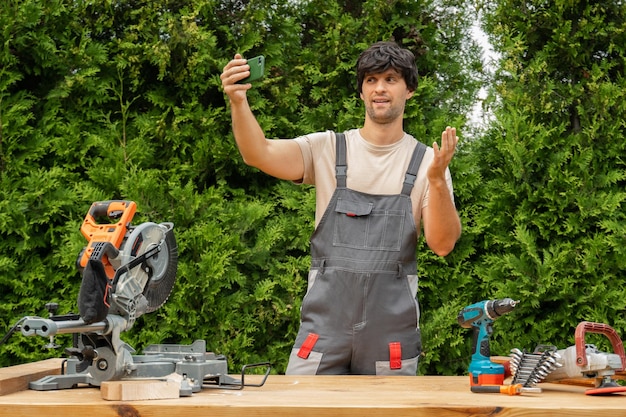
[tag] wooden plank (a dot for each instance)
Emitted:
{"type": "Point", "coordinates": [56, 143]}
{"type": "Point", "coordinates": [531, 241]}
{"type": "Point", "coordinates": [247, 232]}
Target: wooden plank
{"type": "Point", "coordinates": [321, 396]}
{"type": "Point", "coordinates": [16, 378]}
{"type": "Point", "coordinates": [136, 390]}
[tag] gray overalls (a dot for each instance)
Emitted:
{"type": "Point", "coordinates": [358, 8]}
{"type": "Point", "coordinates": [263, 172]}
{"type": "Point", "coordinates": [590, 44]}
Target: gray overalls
{"type": "Point", "coordinates": [360, 314]}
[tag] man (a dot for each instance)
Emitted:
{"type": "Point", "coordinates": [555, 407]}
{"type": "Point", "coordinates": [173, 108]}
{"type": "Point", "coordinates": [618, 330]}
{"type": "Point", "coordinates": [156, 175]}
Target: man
{"type": "Point", "coordinates": [375, 187]}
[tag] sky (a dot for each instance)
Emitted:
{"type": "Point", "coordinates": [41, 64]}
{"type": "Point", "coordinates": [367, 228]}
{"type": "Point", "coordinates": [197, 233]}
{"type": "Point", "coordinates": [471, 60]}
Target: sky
{"type": "Point", "coordinates": [478, 118]}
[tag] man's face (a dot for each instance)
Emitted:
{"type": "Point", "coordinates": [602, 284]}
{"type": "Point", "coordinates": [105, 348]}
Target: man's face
{"type": "Point", "coordinates": [384, 95]}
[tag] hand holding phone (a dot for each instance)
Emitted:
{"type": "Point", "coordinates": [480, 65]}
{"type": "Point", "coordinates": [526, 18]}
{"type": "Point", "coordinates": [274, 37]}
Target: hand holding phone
{"type": "Point", "coordinates": [257, 69]}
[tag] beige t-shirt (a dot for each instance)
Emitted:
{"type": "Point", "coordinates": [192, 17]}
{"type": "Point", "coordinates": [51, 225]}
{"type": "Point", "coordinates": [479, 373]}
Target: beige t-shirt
{"type": "Point", "coordinates": [372, 169]}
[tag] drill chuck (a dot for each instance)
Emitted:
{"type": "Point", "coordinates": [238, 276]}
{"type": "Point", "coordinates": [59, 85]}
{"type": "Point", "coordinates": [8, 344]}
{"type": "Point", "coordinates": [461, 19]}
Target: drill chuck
{"type": "Point", "coordinates": [496, 308]}
{"type": "Point", "coordinates": [478, 314]}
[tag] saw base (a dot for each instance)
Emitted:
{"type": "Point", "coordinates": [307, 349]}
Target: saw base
{"type": "Point", "coordinates": [192, 362]}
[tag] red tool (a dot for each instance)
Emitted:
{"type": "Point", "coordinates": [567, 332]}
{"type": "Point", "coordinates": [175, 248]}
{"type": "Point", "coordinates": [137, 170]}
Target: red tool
{"type": "Point", "coordinates": [607, 385]}
{"type": "Point", "coordinates": [585, 361]}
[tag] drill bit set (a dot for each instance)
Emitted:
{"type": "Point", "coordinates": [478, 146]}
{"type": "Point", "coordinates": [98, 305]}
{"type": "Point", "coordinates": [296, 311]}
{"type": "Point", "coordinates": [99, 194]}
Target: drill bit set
{"type": "Point", "coordinates": [529, 369]}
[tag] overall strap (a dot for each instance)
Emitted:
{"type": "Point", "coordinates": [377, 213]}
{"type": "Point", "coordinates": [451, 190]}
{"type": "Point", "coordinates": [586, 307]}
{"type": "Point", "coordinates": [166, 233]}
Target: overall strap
{"type": "Point", "coordinates": [411, 172]}
{"type": "Point", "coordinates": [341, 166]}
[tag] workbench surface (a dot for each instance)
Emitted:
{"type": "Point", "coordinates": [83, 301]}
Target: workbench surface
{"type": "Point", "coordinates": [302, 396]}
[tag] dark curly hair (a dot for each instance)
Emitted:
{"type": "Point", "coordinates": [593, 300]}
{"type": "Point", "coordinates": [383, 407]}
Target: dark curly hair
{"type": "Point", "coordinates": [380, 57]}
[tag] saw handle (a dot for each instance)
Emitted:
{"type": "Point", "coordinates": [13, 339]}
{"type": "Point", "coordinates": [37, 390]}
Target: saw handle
{"type": "Point", "coordinates": [122, 212]}
{"type": "Point", "coordinates": [112, 209]}
{"type": "Point", "coordinates": [590, 327]}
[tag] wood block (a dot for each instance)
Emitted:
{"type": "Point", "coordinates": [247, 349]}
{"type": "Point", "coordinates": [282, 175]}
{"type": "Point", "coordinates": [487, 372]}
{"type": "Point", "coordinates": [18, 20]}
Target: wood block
{"type": "Point", "coordinates": [145, 389]}
{"type": "Point", "coordinates": [16, 378]}
{"type": "Point", "coordinates": [588, 382]}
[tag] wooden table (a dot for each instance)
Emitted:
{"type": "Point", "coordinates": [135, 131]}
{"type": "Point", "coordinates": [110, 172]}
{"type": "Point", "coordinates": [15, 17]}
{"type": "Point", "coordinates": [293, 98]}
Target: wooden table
{"type": "Point", "coordinates": [303, 396]}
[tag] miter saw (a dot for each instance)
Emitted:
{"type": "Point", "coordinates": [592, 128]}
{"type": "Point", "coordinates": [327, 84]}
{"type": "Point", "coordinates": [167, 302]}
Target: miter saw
{"type": "Point", "coordinates": [127, 271]}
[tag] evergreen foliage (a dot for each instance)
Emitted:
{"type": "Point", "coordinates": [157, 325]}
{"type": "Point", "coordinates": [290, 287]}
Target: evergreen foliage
{"type": "Point", "coordinates": [549, 211]}
{"type": "Point", "coordinates": [121, 99]}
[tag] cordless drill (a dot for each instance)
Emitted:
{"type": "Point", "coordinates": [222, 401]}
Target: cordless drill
{"type": "Point", "coordinates": [480, 316]}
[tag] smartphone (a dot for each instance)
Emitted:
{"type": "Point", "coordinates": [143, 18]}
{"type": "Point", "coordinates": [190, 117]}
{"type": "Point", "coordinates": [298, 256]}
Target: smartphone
{"type": "Point", "coordinates": [257, 69]}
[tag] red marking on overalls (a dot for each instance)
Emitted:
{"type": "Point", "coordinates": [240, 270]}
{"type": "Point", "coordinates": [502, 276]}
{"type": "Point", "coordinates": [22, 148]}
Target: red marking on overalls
{"type": "Point", "coordinates": [395, 355]}
{"type": "Point", "coordinates": [307, 346]}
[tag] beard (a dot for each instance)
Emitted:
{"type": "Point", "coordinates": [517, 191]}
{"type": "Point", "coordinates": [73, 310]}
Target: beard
{"type": "Point", "coordinates": [384, 116]}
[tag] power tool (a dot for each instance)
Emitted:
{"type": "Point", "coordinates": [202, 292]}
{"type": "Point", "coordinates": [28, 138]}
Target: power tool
{"type": "Point", "coordinates": [480, 316]}
{"type": "Point", "coordinates": [127, 271]}
{"type": "Point", "coordinates": [584, 361]}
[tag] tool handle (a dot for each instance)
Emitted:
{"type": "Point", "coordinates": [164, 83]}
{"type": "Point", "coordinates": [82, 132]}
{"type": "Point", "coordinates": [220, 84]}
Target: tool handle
{"type": "Point", "coordinates": [498, 389]}
{"type": "Point", "coordinates": [605, 329]}
{"type": "Point", "coordinates": [120, 210]}
{"type": "Point", "coordinates": [109, 208]}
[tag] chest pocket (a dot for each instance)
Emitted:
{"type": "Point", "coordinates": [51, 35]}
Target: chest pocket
{"type": "Point", "coordinates": [360, 225]}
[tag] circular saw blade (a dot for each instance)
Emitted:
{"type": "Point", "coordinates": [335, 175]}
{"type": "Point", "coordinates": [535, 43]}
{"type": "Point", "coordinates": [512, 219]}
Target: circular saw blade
{"type": "Point", "coordinates": [160, 268]}
{"type": "Point", "coordinates": [164, 267]}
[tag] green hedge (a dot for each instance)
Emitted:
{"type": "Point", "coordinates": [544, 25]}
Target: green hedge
{"type": "Point", "coordinates": [122, 100]}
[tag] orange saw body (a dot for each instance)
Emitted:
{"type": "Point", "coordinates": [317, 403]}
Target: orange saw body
{"type": "Point", "coordinates": [98, 234]}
